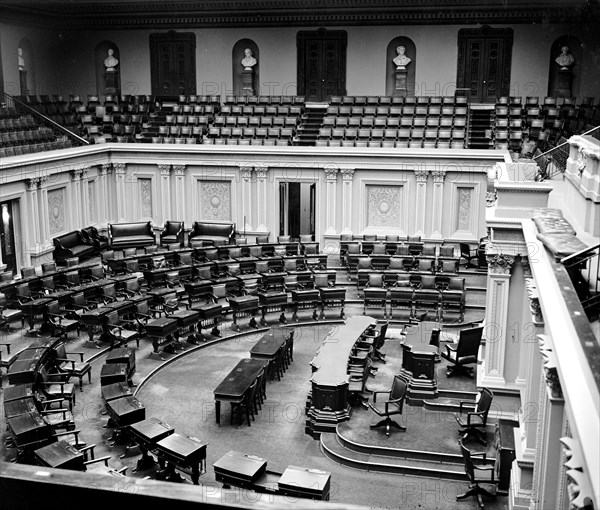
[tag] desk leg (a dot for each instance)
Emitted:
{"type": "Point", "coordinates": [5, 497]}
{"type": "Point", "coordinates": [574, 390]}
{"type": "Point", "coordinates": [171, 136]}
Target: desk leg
{"type": "Point", "coordinates": [218, 411]}
{"type": "Point", "coordinates": [322, 314]}
{"type": "Point", "coordinates": [315, 314]}
{"type": "Point", "coordinates": [342, 315]}
{"type": "Point", "coordinates": [156, 349]}
{"type": "Point", "coordinates": [282, 318]}
{"type": "Point", "coordinates": [31, 320]}
{"type": "Point", "coordinates": [145, 462]}
{"type": "Point", "coordinates": [295, 314]}
{"type": "Point", "coordinates": [195, 474]}
{"type": "Point", "coordinates": [90, 339]}
{"type": "Point", "coordinates": [263, 320]}
{"type": "Point", "coordinates": [253, 323]}
{"type": "Point", "coordinates": [234, 324]}
{"type": "Point", "coordinates": [215, 330]}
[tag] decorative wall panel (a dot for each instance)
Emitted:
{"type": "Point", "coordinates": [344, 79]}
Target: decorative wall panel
{"type": "Point", "coordinates": [56, 210]}
{"type": "Point", "coordinates": [145, 189]}
{"type": "Point", "coordinates": [463, 216]}
{"type": "Point", "coordinates": [215, 200]}
{"type": "Point", "coordinates": [92, 203]}
{"type": "Point", "coordinates": [384, 204]}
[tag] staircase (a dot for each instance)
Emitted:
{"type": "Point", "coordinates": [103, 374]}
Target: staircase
{"type": "Point", "coordinates": [310, 123]}
{"type": "Point", "coordinates": [480, 127]}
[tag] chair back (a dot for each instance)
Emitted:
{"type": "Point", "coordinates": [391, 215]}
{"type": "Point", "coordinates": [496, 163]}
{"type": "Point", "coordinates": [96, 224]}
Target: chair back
{"type": "Point", "coordinates": [234, 269]}
{"type": "Point", "coordinates": [27, 272]}
{"type": "Point", "coordinates": [235, 253]}
{"type": "Point", "coordinates": [320, 280]}
{"type": "Point", "coordinates": [398, 392]}
{"type": "Point", "coordinates": [255, 251]}
{"type": "Point", "coordinates": [262, 239]}
{"type": "Point", "coordinates": [380, 340]}
{"type": "Point", "coordinates": [364, 263]}
{"type": "Point", "coordinates": [48, 267]}
{"type": "Point", "coordinates": [305, 238]}
{"type": "Point", "coordinates": [376, 280]}
{"type": "Point", "coordinates": [60, 351]}
{"type": "Point", "coordinates": [469, 468]}
{"type": "Point", "coordinates": [23, 291]}
{"type": "Point", "coordinates": [79, 299]}
{"type": "Point", "coordinates": [112, 319]}
{"type": "Point", "coordinates": [132, 266]}
{"type": "Point", "coordinates": [97, 272]}
{"type": "Point", "coordinates": [262, 266]}
{"type": "Point", "coordinates": [173, 227]}
{"type": "Point", "coordinates": [142, 308]}
{"type": "Point", "coordinates": [485, 402]}
{"type": "Point", "coordinates": [468, 342]}
{"type": "Point", "coordinates": [48, 284]}
{"type": "Point", "coordinates": [109, 291]}
{"type": "Point", "coordinates": [53, 307]}
{"type": "Point", "coordinates": [185, 258]}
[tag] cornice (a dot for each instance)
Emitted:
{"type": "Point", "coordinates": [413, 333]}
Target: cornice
{"type": "Point", "coordinates": [164, 14]}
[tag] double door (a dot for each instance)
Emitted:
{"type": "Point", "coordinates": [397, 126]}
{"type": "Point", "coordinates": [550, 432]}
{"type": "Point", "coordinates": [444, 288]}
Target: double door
{"type": "Point", "coordinates": [484, 63]}
{"type": "Point", "coordinates": [321, 64]}
{"type": "Point", "coordinates": [173, 64]}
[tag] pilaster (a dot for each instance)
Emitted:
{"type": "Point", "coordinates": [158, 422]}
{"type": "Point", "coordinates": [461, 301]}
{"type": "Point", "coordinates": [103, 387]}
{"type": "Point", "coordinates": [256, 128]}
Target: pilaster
{"type": "Point", "coordinates": [84, 196]}
{"type": "Point", "coordinates": [76, 198]}
{"type": "Point", "coordinates": [347, 180]}
{"type": "Point", "coordinates": [245, 212]}
{"type": "Point", "coordinates": [496, 314]}
{"type": "Point", "coordinates": [165, 191]}
{"type": "Point", "coordinates": [261, 195]}
{"type": "Point", "coordinates": [44, 235]}
{"type": "Point", "coordinates": [120, 169]}
{"type": "Point", "coordinates": [103, 194]}
{"type": "Point", "coordinates": [32, 234]}
{"type": "Point", "coordinates": [179, 172]}
{"type": "Point", "coordinates": [547, 465]}
{"type": "Point", "coordinates": [331, 174]}
{"type": "Point", "coordinates": [438, 203]}
{"type": "Point", "coordinates": [421, 201]}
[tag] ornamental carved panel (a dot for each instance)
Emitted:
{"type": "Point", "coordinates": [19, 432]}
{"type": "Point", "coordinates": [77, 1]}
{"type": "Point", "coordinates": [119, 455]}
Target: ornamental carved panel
{"type": "Point", "coordinates": [215, 200]}
{"type": "Point", "coordinates": [145, 189]}
{"type": "Point", "coordinates": [56, 210]}
{"type": "Point", "coordinates": [92, 204]}
{"type": "Point", "coordinates": [463, 216]}
{"type": "Point", "coordinates": [384, 205]}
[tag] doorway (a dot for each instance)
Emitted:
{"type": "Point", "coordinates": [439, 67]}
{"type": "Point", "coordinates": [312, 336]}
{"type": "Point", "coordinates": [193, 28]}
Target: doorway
{"type": "Point", "coordinates": [173, 64]}
{"type": "Point", "coordinates": [297, 209]}
{"type": "Point", "coordinates": [484, 62]}
{"type": "Point", "coordinates": [322, 64]}
{"type": "Point", "coordinates": [7, 235]}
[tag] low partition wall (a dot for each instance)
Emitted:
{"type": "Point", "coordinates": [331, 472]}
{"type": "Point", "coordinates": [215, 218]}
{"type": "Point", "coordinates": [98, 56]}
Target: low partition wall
{"type": "Point", "coordinates": [435, 193]}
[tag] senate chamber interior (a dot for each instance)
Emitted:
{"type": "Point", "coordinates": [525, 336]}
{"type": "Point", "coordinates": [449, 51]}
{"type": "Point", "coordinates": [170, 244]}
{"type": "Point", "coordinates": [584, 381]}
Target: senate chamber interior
{"type": "Point", "coordinates": [276, 254]}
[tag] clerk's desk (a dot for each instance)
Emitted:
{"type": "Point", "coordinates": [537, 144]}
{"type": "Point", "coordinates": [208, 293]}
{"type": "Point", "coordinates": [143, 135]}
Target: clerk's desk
{"type": "Point", "coordinates": [329, 395]}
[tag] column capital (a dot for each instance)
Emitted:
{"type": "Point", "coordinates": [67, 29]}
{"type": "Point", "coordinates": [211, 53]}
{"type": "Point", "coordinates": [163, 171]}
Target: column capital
{"type": "Point", "coordinates": [165, 169]}
{"type": "Point", "coordinates": [84, 172]}
{"type": "Point", "coordinates": [42, 181]}
{"type": "Point", "coordinates": [438, 175]}
{"type": "Point", "coordinates": [76, 174]}
{"type": "Point", "coordinates": [421, 175]}
{"type": "Point", "coordinates": [331, 174]}
{"type": "Point", "coordinates": [261, 172]}
{"type": "Point", "coordinates": [549, 365]}
{"type": "Point", "coordinates": [246, 171]}
{"type": "Point", "coordinates": [106, 168]}
{"type": "Point", "coordinates": [499, 263]}
{"type": "Point", "coordinates": [32, 183]}
{"type": "Point", "coordinates": [179, 170]}
{"type": "Point", "coordinates": [347, 173]}
{"type": "Point", "coordinates": [120, 168]}
{"type": "Point", "coordinates": [526, 266]}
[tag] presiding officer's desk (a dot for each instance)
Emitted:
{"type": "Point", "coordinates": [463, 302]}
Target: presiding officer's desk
{"type": "Point", "coordinates": [329, 395]}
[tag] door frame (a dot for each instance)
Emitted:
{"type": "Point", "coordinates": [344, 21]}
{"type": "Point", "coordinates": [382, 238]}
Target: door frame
{"type": "Point", "coordinates": [302, 37]}
{"type": "Point", "coordinates": [485, 32]}
{"type": "Point", "coordinates": [173, 37]}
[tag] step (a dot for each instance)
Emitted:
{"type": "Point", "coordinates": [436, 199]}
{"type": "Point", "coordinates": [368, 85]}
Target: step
{"type": "Point", "coordinates": [378, 459]}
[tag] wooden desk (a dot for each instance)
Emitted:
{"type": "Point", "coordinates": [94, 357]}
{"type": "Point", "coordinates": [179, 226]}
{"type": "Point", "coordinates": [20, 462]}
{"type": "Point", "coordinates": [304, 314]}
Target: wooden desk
{"type": "Point", "coordinates": [146, 434]}
{"type": "Point", "coordinates": [95, 318]}
{"type": "Point", "coordinates": [28, 431]}
{"type": "Point", "coordinates": [237, 382]}
{"type": "Point", "coordinates": [14, 408]}
{"type": "Point", "coordinates": [185, 453]}
{"type": "Point", "coordinates": [238, 469]}
{"type": "Point", "coordinates": [209, 315]}
{"type": "Point", "coordinates": [111, 373]}
{"type": "Point", "coordinates": [60, 455]}
{"type": "Point", "coordinates": [124, 355]}
{"type": "Point", "coordinates": [268, 346]}
{"type": "Point", "coordinates": [18, 392]}
{"type": "Point", "coordinates": [161, 332]}
{"type": "Point", "coordinates": [418, 367]}
{"type": "Point", "coordinates": [304, 483]}
{"type": "Point", "coordinates": [33, 308]}
{"type": "Point", "coordinates": [186, 323]}
{"type": "Point", "coordinates": [272, 301]}
{"type": "Point", "coordinates": [303, 299]}
{"type": "Point", "coordinates": [115, 390]}
{"type": "Point", "coordinates": [329, 395]}
{"type": "Point", "coordinates": [244, 306]}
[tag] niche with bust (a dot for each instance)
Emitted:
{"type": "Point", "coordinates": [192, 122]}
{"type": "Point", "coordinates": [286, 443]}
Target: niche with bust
{"type": "Point", "coordinates": [400, 58]}
{"type": "Point", "coordinates": [564, 67]}
{"type": "Point", "coordinates": [245, 64]}
{"type": "Point", "coordinates": [108, 68]}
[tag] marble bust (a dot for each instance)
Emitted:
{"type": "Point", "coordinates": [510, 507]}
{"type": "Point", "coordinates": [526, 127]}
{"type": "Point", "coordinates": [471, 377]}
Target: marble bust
{"type": "Point", "coordinates": [110, 62]}
{"type": "Point", "coordinates": [248, 61]}
{"type": "Point", "coordinates": [401, 60]}
{"type": "Point", "coordinates": [20, 59]}
{"type": "Point", "coordinates": [565, 59]}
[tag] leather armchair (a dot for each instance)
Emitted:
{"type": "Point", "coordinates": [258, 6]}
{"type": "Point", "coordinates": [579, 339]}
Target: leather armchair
{"type": "Point", "coordinates": [172, 233]}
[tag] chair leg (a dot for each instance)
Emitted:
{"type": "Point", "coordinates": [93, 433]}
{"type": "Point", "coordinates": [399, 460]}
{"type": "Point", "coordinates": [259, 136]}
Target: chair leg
{"type": "Point", "coordinates": [388, 423]}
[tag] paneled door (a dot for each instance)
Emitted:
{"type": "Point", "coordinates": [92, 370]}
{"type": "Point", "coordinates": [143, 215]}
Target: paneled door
{"type": "Point", "coordinates": [173, 64]}
{"type": "Point", "coordinates": [321, 64]}
{"type": "Point", "coordinates": [484, 60]}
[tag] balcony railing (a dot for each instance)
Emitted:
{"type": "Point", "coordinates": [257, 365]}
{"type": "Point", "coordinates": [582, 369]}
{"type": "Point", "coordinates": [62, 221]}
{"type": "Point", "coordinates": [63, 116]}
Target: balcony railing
{"type": "Point", "coordinates": [583, 268]}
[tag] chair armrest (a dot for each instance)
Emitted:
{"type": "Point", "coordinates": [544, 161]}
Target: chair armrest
{"type": "Point", "coordinates": [75, 432]}
{"type": "Point", "coordinates": [89, 448]}
{"type": "Point", "coordinates": [55, 411]}
{"type": "Point", "coordinates": [375, 393]}
{"type": "Point", "coordinates": [477, 454]}
{"type": "Point", "coordinates": [80, 353]}
{"type": "Point", "coordinates": [7, 345]}
{"type": "Point", "coordinates": [104, 459]}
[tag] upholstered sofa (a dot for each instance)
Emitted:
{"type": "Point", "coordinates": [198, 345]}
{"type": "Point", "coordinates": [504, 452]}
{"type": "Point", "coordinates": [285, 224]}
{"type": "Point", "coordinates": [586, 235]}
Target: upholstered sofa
{"type": "Point", "coordinates": [131, 235]}
{"type": "Point", "coordinates": [215, 233]}
{"type": "Point", "coordinates": [72, 245]}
